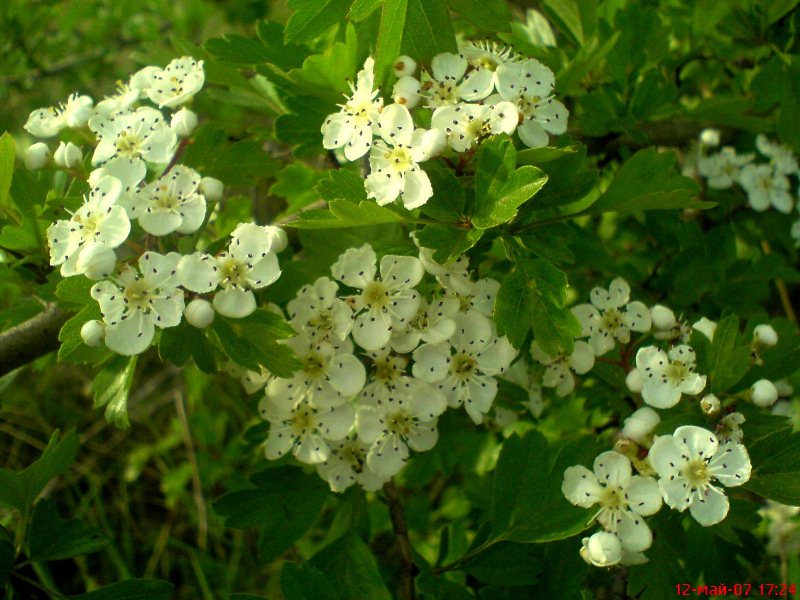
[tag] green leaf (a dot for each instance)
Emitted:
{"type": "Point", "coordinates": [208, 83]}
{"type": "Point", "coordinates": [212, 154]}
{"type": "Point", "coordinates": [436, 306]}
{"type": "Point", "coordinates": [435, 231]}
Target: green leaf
{"type": "Point", "coordinates": [725, 360]}
{"type": "Point", "coordinates": [505, 564]}
{"type": "Point", "coordinates": [20, 488]}
{"type": "Point", "coordinates": [302, 126]}
{"type": "Point", "coordinates": [52, 538]}
{"type": "Point", "coordinates": [237, 163]}
{"type": "Point", "coordinates": [449, 200]}
{"type": "Point", "coordinates": [418, 28]}
{"type": "Point", "coordinates": [448, 242]}
{"type": "Point", "coordinates": [341, 184]}
{"type": "Point", "coordinates": [527, 503]}
{"type": "Point", "coordinates": [351, 568]}
{"type": "Point", "coordinates": [327, 74]}
{"type": "Point", "coordinates": [499, 189]}
{"type": "Point", "coordinates": [7, 155]}
{"type": "Point", "coordinates": [656, 579]}
{"type": "Point", "coordinates": [550, 242]}
{"type": "Point", "coordinates": [312, 18]}
{"type": "Point", "coordinates": [75, 290]}
{"type": "Point", "coordinates": [304, 582]}
{"type": "Point", "coordinates": [284, 503]}
{"type": "Point", "coordinates": [7, 556]}
{"type": "Point", "coordinates": [533, 297]}
{"type": "Point", "coordinates": [111, 388]}
{"type": "Point", "coordinates": [438, 587]}
{"type": "Point", "coordinates": [131, 589]}
{"type": "Point", "coordinates": [776, 465]}
{"type": "Point", "coordinates": [362, 9]}
{"type": "Point", "coordinates": [487, 15]}
{"type": "Point", "coordinates": [73, 348]}
{"type": "Point", "coordinates": [648, 181]}
{"type": "Point", "coordinates": [296, 182]}
{"type": "Point", "coordinates": [344, 213]}
{"type": "Point", "coordinates": [567, 17]}
{"type": "Point", "coordinates": [252, 342]}
{"type": "Point", "coordinates": [178, 344]}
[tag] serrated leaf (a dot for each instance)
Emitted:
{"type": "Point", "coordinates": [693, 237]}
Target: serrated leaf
{"type": "Point", "coordinates": [350, 566]}
{"type": "Point", "coordinates": [449, 198]}
{"type": "Point", "coordinates": [341, 184]}
{"type": "Point", "coordinates": [649, 180]}
{"type": "Point", "coordinates": [73, 349]}
{"type": "Point", "coordinates": [448, 242]}
{"type": "Point", "coordinates": [52, 538]}
{"type": "Point", "coordinates": [312, 18]}
{"type": "Point", "coordinates": [725, 361]}
{"type": "Point", "coordinates": [253, 344]}
{"type": "Point", "coordinates": [20, 488]}
{"type": "Point", "coordinates": [111, 388]}
{"type": "Point", "coordinates": [567, 16]}
{"type": "Point", "coordinates": [776, 465]}
{"type": "Point", "coordinates": [344, 213]}
{"type": "Point", "coordinates": [75, 290]}
{"type": "Point", "coordinates": [302, 126]}
{"type": "Point", "coordinates": [238, 50]}
{"type": "Point", "coordinates": [326, 75]}
{"type": "Point", "coordinates": [487, 15]}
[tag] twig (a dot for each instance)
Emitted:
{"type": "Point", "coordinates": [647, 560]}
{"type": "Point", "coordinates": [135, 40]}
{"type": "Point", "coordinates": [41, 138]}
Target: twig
{"type": "Point", "coordinates": [781, 286]}
{"type": "Point", "coordinates": [400, 530]}
{"type": "Point", "coordinates": [197, 486]}
{"type": "Point", "coordinates": [31, 339]}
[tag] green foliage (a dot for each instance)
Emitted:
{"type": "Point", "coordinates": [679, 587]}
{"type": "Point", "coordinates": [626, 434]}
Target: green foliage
{"type": "Point", "coordinates": [350, 566]}
{"type": "Point", "coordinates": [52, 538]}
{"type": "Point", "coordinates": [725, 360]}
{"type": "Point", "coordinates": [133, 589]}
{"type": "Point", "coordinates": [111, 388]}
{"type": "Point", "coordinates": [6, 166]}
{"type": "Point", "coordinates": [252, 342]}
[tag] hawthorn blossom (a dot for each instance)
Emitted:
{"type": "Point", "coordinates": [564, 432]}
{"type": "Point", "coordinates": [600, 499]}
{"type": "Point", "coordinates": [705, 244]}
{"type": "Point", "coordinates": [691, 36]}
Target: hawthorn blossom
{"type": "Point", "coordinates": [100, 221]}
{"type": "Point", "coordinates": [171, 203]}
{"type": "Point", "coordinates": [347, 464]}
{"type": "Point", "coordinates": [722, 168]}
{"type": "Point", "coordinates": [689, 461]}
{"type": "Point", "coordinates": [47, 122]}
{"type": "Point", "coordinates": [385, 302]}
{"type": "Point", "coordinates": [487, 60]}
{"type": "Point", "coordinates": [611, 316]}
{"type": "Point", "coordinates": [392, 428]}
{"type": "Point", "coordinates": [141, 135]}
{"type": "Point", "coordinates": [432, 324]}
{"type": "Point", "coordinates": [177, 83]}
{"type": "Point", "coordinates": [529, 87]}
{"type": "Point", "coordinates": [127, 93]}
{"type": "Point", "coordinates": [765, 187]}
{"type": "Point", "coordinates": [624, 498]}
{"type": "Point", "coordinates": [667, 376]}
{"type": "Point", "coordinates": [443, 85]}
{"type": "Point", "coordinates": [248, 264]}
{"type": "Point", "coordinates": [135, 302]}
{"type": "Point", "coordinates": [318, 312]}
{"type": "Point", "coordinates": [394, 159]}
{"type": "Point", "coordinates": [601, 549]}
{"type": "Point", "coordinates": [387, 378]}
{"type": "Point", "coordinates": [560, 368]}
{"type": "Point", "coordinates": [781, 157]}
{"type": "Point", "coordinates": [464, 368]}
{"type": "Point", "coordinates": [304, 430]}
{"type": "Point", "coordinates": [353, 125]}
{"type": "Point", "coordinates": [466, 124]}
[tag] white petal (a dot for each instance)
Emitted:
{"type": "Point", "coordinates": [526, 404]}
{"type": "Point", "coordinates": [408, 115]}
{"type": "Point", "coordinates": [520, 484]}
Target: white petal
{"type": "Point", "coordinates": [666, 457]}
{"type": "Point", "coordinates": [634, 533]}
{"type": "Point", "coordinates": [582, 358]}
{"type": "Point", "coordinates": [580, 486]}
{"type": "Point", "coordinates": [279, 442]}
{"type": "Point", "coordinates": [700, 442]}
{"type": "Point", "coordinates": [477, 85]}
{"type": "Point", "coordinates": [424, 436]}
{"type": "Point", "coordinates": [731, 465]}
{"type": "Point", "coordinates": [396, 125]}
{"type": "Point", "coordinates": [711, 507]}
{"type": "Point", "coordinates": [371, 331]}
{"type": "Point", "coordinates": [312, 449]}
{"type": "Point", "coordinates": [431, 362]}
{"type": "Point", "coordinates": [169, 310]}
{"type": "Point", "coordinates": [387, 455]}
{"type": "Point", "coordinates": [643, 495]}
{"type": "Point", "coordinates": [346, 374]}
{"type": "Point", "coordinates": [336, 423]}
{"type": "Point", "coordinates": [235, 303]}
{"type": "Point", "coordinates": [356, 267]}
{"type": "Point", "coordinates": [482, 391]}
{"type": "Point", "coordinates": [417, 188]}
{"type": "Point", "coordinates": [159, 221]}
{"type": "Point", "coordinates": [337, 130]}
{"type": "Point", "coordinates": [637, 316]}
{"type": "Point", "coordinates": [532, 134]}
{"type": "Point", "coordinates": [198, 272]}
{"type": "Point", "coordinates": [552, 115]}
{"type": "Point", "coordinates": [130, 336]}
{"type": "Point", "coordinates": [447, 66]}
{"type": "Point", "coordinates": [401, 272]}
{"type": "Point", "coordinates": [193, 213]}
{"type": "Point", "coordinates": [264, 271]}
{"type": "Point", "coordinates": [659, 394]}
{"type": "Point", "coordinates": [613, 468]}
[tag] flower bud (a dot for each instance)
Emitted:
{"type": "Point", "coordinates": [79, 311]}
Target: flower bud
{"type": "Point", "coordinates": [710, 404]}
{"type": "Point", "coordinates": [765, 336]}
{"type": "Point", "coordinates": [640, 424]}
{"type": "Point", "coordinates": [406, 92]}
{"type": "Point", "coordinates": [782, 408]}
{"type": "Point", "coordinates": [634, 381]}
{"type": "Point", "coordinates": [211, 188]}
{"type": "Point", "coordinates": [404, 65]}
{"type": "Point", "coordinates": [96, 261]}
{"type": "Point", "coordinates": [709, 137]}
{"type": "Point", "coordinates": [199, 313]}
{"type": "Point", "coordinates": [279, 240]}
{"type": "Point", "coordinates": [183, 122]}
{"type": "Point", "coordinates": [78, 110]}
{"type": "Point", "coordinates": [662, 317]}
{"type": "Point", "coordinates": [93, 333]}
{"type": "Point", "coordinates": [36, 156]}
{"type": "Point", "coordinates": [763, 393]}
{"type": "Point", "coordinates": [67, 156]}
{"type": "Point", "coordinates": [785, 389]}
{"type": "Point", "coordinates": [706, 326]}
{"type": "Point", "coordinates": [603, 549]}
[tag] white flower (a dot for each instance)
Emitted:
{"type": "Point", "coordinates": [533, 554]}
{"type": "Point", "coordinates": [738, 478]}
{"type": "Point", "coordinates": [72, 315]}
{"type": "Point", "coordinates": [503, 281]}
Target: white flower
{"type": "Point", "coordinates": [454, 276]}
{"type": "Point", "coordinates": [352, 126]}
{"type": "Point", "coordinates": [706, 326]}
{"type": "Point", "coordinates": [329, 377]}
{"type": "Point", "coordinates": [465, 368]}
{"type": "Point", "coordinates": [433, 324]}
{"type": "Point", "coordinates": [248, 264]}
{"type": "Point", "coordinates": [722, 168]}
{"type": "Point", "coordinates": [710, 404]}
{"type": "Point", "coordinates": [781, 157]}
{"type": "Point", "coordinates": [482, 296]}
{"type": "Point", "coordinates": [602, 549]}
{"type": "Point", "coordinates": [100, 219]}
{"type": "Point", "coordinates": [36, 156]}
{"type": "Point", "coordinates": [392, 427]}
{"type": "Point", "coordinates": [763, 393]}
{"type": "Point", "coordinates": [488, 61]}
{"type": "Point", "coordinates": [394, 159]}
{"type": "Point", "coordinates": [687, 463]}
{"type": "Point", "coordinates": [765, 336]}
{"type": "Point", "coordinates": [170, 203]}
{"type": "Point", "coordinates": [93, 333]}
{"type": "Point", "coordinates": [45, 122]}
{"type": "Point", "coordinates": [304, 430]}
{"type": "Point", "coordinates": [641, 424]}
{"type": "Point", "coordinates": [318, 312]}
{"type": "Point", "coordinates": [67, 156]}
{"type": "Point", "coordinates": [96, 261]}
{"type": "Point", "coordinates": [766, 187]}
{"type": "Point", "coordinates": [406, 91]}
{"type": "Point", "coordinates": [129, 171]}
{"type": "Point", "coordinates": [560, 368]}
{"type": "Point", "coordinates": [135, 303]}
{"type": "Point", "coordinates": [77, 110]}
{"type": "Point", "coordinates": [177, 83]}
{"type": "Point", "coordinates": [623, 498]}
{"type": "Point", "coordinates": [466, 124]}
{"type": "Point", "coordinates": [443, 85]}
{"type": "Point", "coordinates": [142, 134]}
{"type": "Point", "coordinates": [347, 464]}
{"type": "Point", "coordinates": [520, 374]}
{"type": "Point", "coordinates": [667, 376]}
{"type": "Point", "coordinates": [662, 317]}
{"type": "Point", "coordinates": [611, 317]}
{"type": "Point", "coordinates": [385, 302]}
{"type": "Point", "coordinates": [529, 86]}
{"type": "Point", "coordinates": [127, 93]}
{"type": "Point", "coordinates": [729, 428]}
{"type": "Point", "coordinates": [387, 379]}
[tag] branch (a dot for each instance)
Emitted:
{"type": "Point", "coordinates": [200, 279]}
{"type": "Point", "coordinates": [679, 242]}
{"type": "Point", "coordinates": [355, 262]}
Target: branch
{"type": "Point", "coordinates": [400, 530]}
{"type": "Point", "coordinates": [31, 339]}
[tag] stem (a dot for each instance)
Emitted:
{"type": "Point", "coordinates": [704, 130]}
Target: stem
{"type": "Point", "coordinates": [401, 531]}
{"type": "Point", "coordinates": [781, 286]}
{"type": "Point", "coordinates": [31, 339]}
{"type": "Point", "coordinates": [197, 486]}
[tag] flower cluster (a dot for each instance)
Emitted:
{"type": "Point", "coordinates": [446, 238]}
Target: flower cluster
{"type": "Point", "coordinates": [380, 363]}
{"type": "Point", "coordinates": [483, 90]}
{"type": "Point", "coordinates": [139, 193]}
